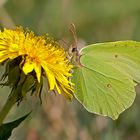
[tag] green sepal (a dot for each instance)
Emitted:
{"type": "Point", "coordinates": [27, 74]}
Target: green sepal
{"type": "Point", "coordinates": [7, 128]}
{"type": "Point", "coordinates": [27, 85]}
{"type": "Point", "coordinates": [6, 72]}
{"type": "Point", "coordinates": [13, 76]}
{"type": "Point", "coordinates": [37, 89]}
{"type": "Point", "coordinates": [22, 79]}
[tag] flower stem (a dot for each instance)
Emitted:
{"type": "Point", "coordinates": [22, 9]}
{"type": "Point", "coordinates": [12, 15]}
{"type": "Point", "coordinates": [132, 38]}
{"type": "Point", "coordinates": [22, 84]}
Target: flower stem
{"type": "Point", "coordinates": [12, 99]}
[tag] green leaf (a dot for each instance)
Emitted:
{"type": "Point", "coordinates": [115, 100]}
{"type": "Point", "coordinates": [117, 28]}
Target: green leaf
{"type": "Point", "coordinates": [7, 128]}
{"type": "Point", "coordinates": [104, 82]}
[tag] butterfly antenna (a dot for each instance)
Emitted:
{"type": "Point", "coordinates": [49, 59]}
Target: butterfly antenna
{"type": "Point", "coordinates": [76, 55]}
{"type": "Point", "coordinates": [73, 31]}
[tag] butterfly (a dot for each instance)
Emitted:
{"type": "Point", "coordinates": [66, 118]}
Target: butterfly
{"type": "Point", "coordinates": [105, 76]}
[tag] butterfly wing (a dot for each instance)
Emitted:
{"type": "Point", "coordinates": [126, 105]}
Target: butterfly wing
{"type": "Point", "coordinates": [105, 83]}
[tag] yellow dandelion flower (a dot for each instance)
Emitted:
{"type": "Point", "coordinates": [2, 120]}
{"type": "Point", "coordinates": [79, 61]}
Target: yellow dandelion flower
{"type": "Point", "coordinates": [40, 54]}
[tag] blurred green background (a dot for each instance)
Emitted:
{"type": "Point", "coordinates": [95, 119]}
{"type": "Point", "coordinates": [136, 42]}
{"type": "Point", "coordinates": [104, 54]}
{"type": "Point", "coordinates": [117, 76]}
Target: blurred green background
{"type": "Point", "coordinates": [96, 21]}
